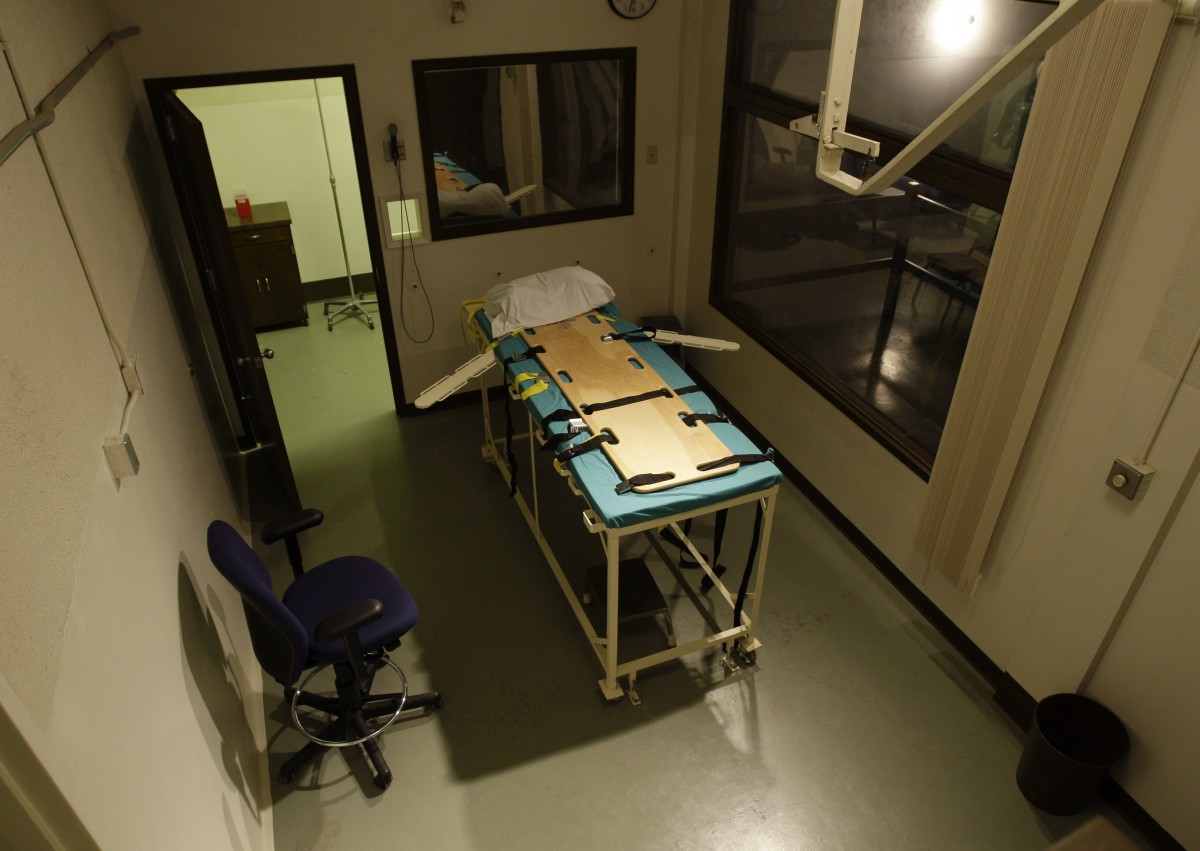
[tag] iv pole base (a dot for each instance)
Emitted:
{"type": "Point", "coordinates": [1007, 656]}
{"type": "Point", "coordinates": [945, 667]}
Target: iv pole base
{"type": "Point", "coordinates": [353, 306]}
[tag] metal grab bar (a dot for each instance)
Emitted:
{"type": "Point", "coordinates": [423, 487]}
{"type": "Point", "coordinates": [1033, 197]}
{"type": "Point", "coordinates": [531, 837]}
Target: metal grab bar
{"type": "Point", "coordinates": [44, 114]}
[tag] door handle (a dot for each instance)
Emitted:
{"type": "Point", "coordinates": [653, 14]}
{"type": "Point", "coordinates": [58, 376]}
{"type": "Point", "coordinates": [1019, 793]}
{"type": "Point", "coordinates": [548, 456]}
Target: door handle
{"type": "Point", "coordinates": [258, 283]}
{"type": "Point", "coordinates": [257, 359]}
{"type": "Point", "coordinates": [268, 282]}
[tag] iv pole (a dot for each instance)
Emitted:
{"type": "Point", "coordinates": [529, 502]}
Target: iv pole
{"type": "Point", "coordinates": [353, 304]}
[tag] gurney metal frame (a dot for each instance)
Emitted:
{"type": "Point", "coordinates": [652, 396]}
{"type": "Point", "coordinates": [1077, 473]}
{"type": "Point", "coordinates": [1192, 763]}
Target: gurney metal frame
{"type": "Point", "coordinates": [739, 640]}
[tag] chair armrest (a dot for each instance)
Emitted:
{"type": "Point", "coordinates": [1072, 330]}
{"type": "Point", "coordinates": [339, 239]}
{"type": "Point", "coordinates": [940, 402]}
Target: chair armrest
{"type": "Point", "coordinates": [350, 619]}
{"type": "Point", "coordinates": [292, 524]}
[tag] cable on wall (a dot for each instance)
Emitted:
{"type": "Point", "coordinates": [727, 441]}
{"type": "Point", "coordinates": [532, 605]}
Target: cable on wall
{"type": "Point", "coordinates": [37, 120]}
{"type": "Point", "coordinates": [44, 114]}
{"type": "Point", "coordinates": [1170, 399]}
{"type": "Point", "coordinates": [407, 247]}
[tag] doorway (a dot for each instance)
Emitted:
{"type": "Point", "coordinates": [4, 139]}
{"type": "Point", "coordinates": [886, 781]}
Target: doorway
{"type": "Point", "coordinates": [291, 199]}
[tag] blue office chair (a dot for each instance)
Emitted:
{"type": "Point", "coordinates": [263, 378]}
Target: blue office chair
{"type": "Point", "coordinates": [348, 613]}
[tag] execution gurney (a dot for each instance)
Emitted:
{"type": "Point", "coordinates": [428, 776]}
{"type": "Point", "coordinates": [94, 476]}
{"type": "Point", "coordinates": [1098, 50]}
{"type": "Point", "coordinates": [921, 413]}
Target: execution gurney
{"type": "Point", "coordinates": [642, 446]}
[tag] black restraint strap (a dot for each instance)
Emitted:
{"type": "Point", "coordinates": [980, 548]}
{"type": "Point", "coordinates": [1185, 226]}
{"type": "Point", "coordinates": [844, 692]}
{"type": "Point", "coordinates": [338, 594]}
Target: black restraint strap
{"type": "Point", "coordinates": [641, 480]}
{"type": "Point", "coordinates": [556, 440]}
{"type": "Point", "coordinates": [691, 388]}
{"type": "Point", "coordinates": [718, 536]}
{"type": "Point", "coordinates": [624, 400]}
{"type": "Point", "coordinates": [525, 355]}
{"type": "Point", "coordinates": [736, 459]}
{"type": "Point", "coordinates": [562, 415]}
{"type": "Point", "coordinates": [643, 333]}
{"type": "Point", "coordinates": [509, 457]}
{"type": "Point", "coordinates": [587, 446]}
{"type": "Point", "coordinates": [743, 588]}
{"type": "Point", "coordinates": [692, 419]}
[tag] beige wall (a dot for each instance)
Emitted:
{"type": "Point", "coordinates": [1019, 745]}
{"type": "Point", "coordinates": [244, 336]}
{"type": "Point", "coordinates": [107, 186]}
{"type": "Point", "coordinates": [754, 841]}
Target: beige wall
{"type": "Point", "coordinates": [1068, 551]}
{"type": "Point", "coordinates": [123, 659]}
{"type": "Point", "coordinates": [632, 253]}
{"type": "Point", "coordinates": [268, 138]}
{"type": "Point", "coordinates": [121, 577]}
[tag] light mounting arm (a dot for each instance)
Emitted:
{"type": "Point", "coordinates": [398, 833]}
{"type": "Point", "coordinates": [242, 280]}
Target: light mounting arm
{"type": "Point", "coordinates": [827, 126]}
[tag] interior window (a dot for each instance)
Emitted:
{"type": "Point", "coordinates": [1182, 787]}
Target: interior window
{"type": "Point", "coordinates": [871, 299]}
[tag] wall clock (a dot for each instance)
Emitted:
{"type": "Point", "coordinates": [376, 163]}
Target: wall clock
{"type": "Point", "coordinates": [632, 8]}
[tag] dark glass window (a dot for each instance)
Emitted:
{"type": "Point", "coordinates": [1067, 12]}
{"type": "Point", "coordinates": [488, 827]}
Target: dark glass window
{"type": "Point", "coordinates": [870, 299]}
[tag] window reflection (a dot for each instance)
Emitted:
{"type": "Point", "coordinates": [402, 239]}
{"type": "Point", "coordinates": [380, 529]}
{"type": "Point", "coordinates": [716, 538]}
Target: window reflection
{"type": "Point", "coordinates": [914, 59]}
{"type": "Point", "coordinates": [874, 294]}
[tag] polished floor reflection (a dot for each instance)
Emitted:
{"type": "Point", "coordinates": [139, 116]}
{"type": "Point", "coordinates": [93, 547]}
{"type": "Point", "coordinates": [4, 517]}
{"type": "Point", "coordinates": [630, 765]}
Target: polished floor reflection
{"type": "Point", "coordinates": [859, 728]}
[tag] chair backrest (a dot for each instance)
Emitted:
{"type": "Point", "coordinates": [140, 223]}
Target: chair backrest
{"type": "Point", "coordinates": [280, 642]}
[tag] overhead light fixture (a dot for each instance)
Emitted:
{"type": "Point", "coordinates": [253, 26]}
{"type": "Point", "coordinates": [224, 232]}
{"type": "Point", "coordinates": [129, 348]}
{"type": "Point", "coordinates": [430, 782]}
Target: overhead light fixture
{"type": "Point", "coordinates": [955, 24]}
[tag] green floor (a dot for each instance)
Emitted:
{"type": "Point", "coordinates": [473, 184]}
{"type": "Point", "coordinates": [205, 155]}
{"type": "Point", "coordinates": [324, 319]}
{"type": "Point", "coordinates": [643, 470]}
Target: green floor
{"type": "Point", "coordinates": [859, 728]}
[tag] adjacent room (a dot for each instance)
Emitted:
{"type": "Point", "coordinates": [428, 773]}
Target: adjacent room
{"type": "Point", "coordinates": [751, 424]}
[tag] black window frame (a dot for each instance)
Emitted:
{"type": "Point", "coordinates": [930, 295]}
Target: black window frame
{"type": "Point", "coordinates": [943, 168]}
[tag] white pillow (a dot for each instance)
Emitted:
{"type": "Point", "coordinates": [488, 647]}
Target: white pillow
{"type": "Point", "coordinates": [486, 199]}
{"type": "Point", "coordinates": [544, 298]}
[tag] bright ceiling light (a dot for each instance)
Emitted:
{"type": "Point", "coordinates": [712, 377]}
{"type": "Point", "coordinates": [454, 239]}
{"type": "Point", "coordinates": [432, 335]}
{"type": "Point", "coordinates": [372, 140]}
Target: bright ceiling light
{"type": "Point", "coordinates": [955, 24]}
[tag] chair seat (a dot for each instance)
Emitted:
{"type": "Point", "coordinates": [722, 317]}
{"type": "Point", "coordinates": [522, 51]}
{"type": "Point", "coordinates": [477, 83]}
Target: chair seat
{"type": "Point", "coordinates": [330, 587]}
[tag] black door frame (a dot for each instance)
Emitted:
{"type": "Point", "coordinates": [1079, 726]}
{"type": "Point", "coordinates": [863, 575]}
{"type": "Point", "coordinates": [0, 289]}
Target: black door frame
{"type": "Point", "coordinates": [157, 87]}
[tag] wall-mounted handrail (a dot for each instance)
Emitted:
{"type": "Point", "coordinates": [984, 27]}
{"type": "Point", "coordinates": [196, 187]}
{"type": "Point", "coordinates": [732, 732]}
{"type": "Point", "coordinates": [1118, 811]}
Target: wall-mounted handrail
{"type": "Point", "coordinates": [44, 114]}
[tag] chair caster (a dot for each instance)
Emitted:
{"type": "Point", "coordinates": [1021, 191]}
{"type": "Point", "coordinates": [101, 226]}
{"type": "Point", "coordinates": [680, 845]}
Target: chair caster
{"type": "Point", "coordinates": [383, 780]}
{"type": "Point", "coordinates": [371, 324]}
{"type": "Point", "coordinates": [331, 324]}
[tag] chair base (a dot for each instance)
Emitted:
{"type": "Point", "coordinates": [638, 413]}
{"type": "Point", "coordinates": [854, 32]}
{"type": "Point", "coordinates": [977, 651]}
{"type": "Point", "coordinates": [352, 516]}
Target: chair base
{"type": "Point", "coordinates": [353, 725]}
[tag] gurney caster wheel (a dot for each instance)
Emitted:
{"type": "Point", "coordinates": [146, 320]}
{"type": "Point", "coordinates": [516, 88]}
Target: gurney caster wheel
{"type": "Point", "coordinates": [745, 658]}
{"type": "Point", "coordinates": [371, 323]}
{"type": "Point", "coordinates": [330, 323]}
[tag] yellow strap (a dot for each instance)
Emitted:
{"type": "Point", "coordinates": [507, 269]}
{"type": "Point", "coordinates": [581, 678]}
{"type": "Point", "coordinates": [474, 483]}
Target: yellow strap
{"type": "Point", "coordinates": [500, 340]}
{"type": "Point", "coordinates": [533, 389]}
{"type": "Point", "coordinates": [469, 309]}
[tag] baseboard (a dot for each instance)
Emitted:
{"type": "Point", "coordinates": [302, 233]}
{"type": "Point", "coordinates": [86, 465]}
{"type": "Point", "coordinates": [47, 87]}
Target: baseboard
{"type": "Point", "coordinates": [1121, 801]}
{"type": "Point", "coordinates": [328, 289]}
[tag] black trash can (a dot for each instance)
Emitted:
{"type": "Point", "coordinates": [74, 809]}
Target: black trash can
{"type": "Point", "coordinates": [1073, 744]}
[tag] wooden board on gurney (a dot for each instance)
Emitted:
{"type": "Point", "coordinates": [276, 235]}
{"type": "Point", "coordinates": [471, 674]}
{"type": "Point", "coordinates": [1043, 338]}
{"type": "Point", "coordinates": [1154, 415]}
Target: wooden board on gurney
{"type": "Point", "coordinates": [652, 438]}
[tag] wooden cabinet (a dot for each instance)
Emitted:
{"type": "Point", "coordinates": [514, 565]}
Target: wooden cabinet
{"type": "Point", "coordinates": [266, 261]}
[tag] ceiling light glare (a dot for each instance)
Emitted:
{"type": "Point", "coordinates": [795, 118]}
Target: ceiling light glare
{"type": "Point", "coordinates": [956, 24]}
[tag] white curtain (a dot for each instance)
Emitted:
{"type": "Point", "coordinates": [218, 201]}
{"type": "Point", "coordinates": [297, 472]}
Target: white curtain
{"type": "Point", "coordinates": [1089, 95]}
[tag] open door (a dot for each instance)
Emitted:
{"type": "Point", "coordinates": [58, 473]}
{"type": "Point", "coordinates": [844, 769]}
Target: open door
{"type": "Point", "coordinates": [199, 200]}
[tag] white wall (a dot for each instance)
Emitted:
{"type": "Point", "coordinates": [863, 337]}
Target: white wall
{"type": "Point", "coordinates": [121, 662]}
{"type": "Point", "coordinates": [268, 138]}
{"type": "Point", "coordinates": [633, 253]}
{"type": "Point", "coordinates": [1067, 549]}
